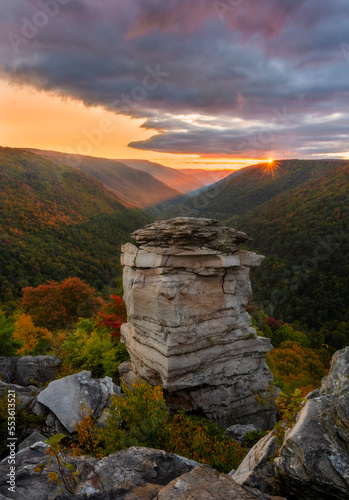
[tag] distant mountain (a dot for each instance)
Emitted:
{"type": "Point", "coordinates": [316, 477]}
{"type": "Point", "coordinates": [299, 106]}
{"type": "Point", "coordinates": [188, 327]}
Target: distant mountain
{"type": "Point", "coordinates": [55, 222]}
{"type": "Point", "coordinates": [207, 177]}
{"type": "Point", "coordinates": [182, 182]}
{"type": "Point", "coordinates": [133, 186]}
{"type": "Point", "coordinates": [254, 185]}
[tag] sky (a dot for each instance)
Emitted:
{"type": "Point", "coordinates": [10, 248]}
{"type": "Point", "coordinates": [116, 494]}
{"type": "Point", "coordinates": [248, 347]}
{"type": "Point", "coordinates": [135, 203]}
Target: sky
{"type": "Point", "coordinates": [205, 83]}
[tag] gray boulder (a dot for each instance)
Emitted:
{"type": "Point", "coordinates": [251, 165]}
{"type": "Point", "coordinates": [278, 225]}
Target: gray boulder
{"type": "Point", "coordinates": [35, 437]}
{"type": "Point", "coordinates": [206, 483]}
{"type": "Point", "coordinates": [29, 370]}
{"type": "Point", "coordinates": [132, 474]}
{"type": "Point", "coordinates": [65, 397]}
{"type": "Point", "coordinates": [25, 396]}
{"type": "Point", "coordinates": [314, 458]}
{"type": "Point", "coordinates": [123, 475]}
{"type": "Point", "coordinates": [257, 470]}
{"type": "Point", "coordinates": [238, 431]}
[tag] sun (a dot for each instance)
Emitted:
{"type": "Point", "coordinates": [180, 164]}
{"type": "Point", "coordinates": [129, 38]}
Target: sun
{"type": "Point", "coordinates": [270, 166]}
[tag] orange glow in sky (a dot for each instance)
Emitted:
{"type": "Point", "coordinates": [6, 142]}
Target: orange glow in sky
{"type": "Point", "coordinates": [33, 119]}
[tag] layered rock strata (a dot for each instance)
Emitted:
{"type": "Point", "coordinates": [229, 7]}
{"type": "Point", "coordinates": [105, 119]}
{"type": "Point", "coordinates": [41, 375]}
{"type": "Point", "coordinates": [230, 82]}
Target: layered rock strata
{"type": "Point", "coordinates": [186, 288]}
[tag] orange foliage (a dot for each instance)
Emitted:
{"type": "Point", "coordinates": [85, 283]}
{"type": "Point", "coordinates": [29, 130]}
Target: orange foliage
{"type": "Point", "coordinates": [57, 305]}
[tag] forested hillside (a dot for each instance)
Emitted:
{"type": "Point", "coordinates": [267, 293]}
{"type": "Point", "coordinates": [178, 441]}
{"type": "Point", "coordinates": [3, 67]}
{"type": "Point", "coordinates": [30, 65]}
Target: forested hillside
{"type": "Point", "coordinates": [57, 222]}
{"type": "Point", "coordinates": [296, 211]}
{"type": "Point", "coordinates": [304, 235]}
{"type": "Point", "coordinates": [252, 186]}
{"type": "Point", "coordinates": [133, 186]}
{"type": "Point", "coordinates": [176, 179]}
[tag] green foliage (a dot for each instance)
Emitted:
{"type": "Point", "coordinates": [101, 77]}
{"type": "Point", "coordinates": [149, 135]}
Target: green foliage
{"type": "Point", "coordinates": [305, 276]}
{"type": "Point", "coordinates": [297, 217]}
{"type": "Point", "coordinates": [136, 419]}
{"type": "Point", "coordinates": [252, 437]}
{"type": "Point", "coordinates": [90, 347]}
{"type": "Point", "coordinates": [289, 408]}
{"type": "Point", "coordinates": [140, 418]}
{"type": "Point", "coordinates": [8, 345]}
{"type": "Point", "coordinates": [286, 333]}
{"type": "Point", "coordinates": [57, 222]}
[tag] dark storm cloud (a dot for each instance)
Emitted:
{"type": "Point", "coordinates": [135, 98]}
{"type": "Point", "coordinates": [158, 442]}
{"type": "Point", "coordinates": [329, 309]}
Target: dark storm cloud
{"type": "Point", "coordinates": [247, 70]}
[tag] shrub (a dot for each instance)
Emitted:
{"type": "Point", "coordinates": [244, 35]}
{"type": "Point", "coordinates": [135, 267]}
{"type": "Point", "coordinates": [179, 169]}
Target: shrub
{"type": "Point", "coordinates": [90, 347]}
{"type": "Point", "coordinates": [8, 344]}
{"type": "Point", "coordinates": [136, 419]}
{"type": "Point", "coordinates": [141, 418]}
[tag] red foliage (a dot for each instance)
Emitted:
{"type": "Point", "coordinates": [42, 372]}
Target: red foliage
{"type": "Point", "coordinates": [113, 315]}
{"type": "Point", "coordinates": [56, 305]}
{"type": "Point", "coordinates": [274, 324]}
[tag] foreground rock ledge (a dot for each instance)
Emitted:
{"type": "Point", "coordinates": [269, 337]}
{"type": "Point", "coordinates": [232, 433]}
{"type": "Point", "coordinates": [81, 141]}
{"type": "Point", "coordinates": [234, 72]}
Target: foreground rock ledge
{"type": "Point", "coordinates": [186, 288]}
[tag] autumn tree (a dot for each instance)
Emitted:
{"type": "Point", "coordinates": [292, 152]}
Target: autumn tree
{"type": "Point", "coordinates": [28, 334]}
{"type": "Point", "coordinates": [296, 367]}
{"type": "Point", "coordinates": [113, 315]}
{"type": "Point", "coordinates": [57, 305]}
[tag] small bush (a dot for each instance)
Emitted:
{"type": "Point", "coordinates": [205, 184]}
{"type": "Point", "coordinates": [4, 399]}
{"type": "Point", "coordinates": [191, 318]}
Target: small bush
{"type": "Point", "coordinates": [141, 418]}
{"type": "Point", "coordinates": [90, 347]}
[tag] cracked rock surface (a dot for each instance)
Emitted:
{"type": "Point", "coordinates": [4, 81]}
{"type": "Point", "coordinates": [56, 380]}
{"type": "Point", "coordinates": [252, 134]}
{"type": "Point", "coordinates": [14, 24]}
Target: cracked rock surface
{"type": "Point", "coordinates": [186, 288]}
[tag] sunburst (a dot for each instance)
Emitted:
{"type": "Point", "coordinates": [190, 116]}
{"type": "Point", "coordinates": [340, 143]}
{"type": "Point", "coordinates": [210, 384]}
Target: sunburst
{"type": "Point", "coordinates": [270, 166]}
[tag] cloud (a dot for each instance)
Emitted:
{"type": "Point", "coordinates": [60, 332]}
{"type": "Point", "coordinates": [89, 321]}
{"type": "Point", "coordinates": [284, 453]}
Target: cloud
{"type": "Point", "coordinates": [233, 69]}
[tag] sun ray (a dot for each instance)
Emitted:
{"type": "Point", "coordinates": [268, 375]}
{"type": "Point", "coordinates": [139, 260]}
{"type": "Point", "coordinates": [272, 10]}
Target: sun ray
{"type": "Point", "coordinates": [270, 166]}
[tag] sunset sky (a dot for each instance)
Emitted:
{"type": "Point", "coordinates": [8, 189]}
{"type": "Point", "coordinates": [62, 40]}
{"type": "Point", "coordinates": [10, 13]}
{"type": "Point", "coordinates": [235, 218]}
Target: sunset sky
{"type": "Point", "coordinates": [205, 83]}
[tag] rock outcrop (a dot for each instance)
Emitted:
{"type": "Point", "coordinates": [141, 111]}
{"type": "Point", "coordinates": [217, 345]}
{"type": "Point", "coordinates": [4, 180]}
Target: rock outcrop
{"type": "Point", "coordinates": [132, 474]}
{"type": "Point", "coordinates": [28, 370]}
{"type": "Point", "coordinates": [313, 462]}
{"type": "Point", "coordinates": [257, 470]}
{"type": "Point", "coordinates": [64, 398]}
{"type": "Point", "coordinates": [314, 458]}
{"type": "Point", "coordinates": [186, 288]}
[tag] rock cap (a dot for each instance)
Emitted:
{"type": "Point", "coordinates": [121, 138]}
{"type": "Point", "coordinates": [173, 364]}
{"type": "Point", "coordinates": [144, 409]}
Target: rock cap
{"type": "Point", "coordinates": [184, 232]}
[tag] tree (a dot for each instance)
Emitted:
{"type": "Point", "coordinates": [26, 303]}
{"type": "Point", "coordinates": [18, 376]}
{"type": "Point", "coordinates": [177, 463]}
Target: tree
{"type": "Point", "coordinates": [8, 345]}
{"type": "Point", "coordinates": [113, 315]}
{"type": "Point", "coordinates": [28, 334]}
{"type": "Point", "coordinates": [58, 305]}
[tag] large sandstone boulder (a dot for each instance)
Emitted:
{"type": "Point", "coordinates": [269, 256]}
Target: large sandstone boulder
{"type": "Point", "coordinates": [186, 288]}
{"type": "Point", "coordinates": [28, 370]}
{"type": "Point", "coordinates": [314, 458]}
{"type": "Point", "coordinates": [65, 397]}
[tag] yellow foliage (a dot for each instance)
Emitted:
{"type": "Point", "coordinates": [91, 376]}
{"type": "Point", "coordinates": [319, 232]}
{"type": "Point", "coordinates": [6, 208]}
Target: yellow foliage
{"type": "Point", "coordinates": [28, 333]}
{"type": "Point", "coordinates": [55, 341]}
